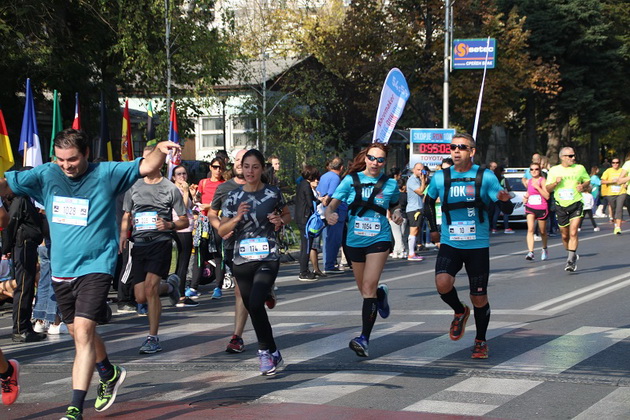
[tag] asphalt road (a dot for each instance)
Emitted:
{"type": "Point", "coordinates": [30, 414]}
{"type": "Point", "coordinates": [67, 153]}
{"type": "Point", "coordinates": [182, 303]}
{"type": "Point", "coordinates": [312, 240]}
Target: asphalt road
{"type": "Point", "coordinates": [559, 345]}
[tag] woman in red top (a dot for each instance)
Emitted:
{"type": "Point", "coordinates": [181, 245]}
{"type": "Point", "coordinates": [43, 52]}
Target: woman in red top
{"type": "Point", "coordinates": [211, 248]}
{"type": "Point", "coordinates": [208, 186]}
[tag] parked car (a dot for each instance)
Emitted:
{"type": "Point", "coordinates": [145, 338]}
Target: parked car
{"type": "Point", "coordinates": [513, 177]}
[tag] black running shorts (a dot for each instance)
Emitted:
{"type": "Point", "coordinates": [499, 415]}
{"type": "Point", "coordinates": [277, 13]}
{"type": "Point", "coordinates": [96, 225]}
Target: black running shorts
{"type": "Point", "coordinates": [154, 258]}
{"type": "Point", "coordinates": [566, 214]}
{"type": "Point", "coordinates": [358, 254]}
{"type": "Point", "coordinates": [85, 296]}
{"type": "Point", "coordinates": [450, 260]}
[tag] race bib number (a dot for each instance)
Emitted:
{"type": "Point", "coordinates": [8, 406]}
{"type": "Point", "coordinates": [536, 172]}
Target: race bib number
{"type": "Point", "coordinates": [253, 248]}
{"type": "Point", "coordinates": [566, 194]}
{"type": "Point", "coordinates": [615, 189]}
{"type": "Point", "coordinates": [145, 220]}
{"type": "Point", "coordinates": [70, 211]}
{"type": "Point", "coordinates": [534, 200]}
{"type": "Point", "coordinates": [462, 231]}
{"type": "Point", "coordinates": [367, 226]}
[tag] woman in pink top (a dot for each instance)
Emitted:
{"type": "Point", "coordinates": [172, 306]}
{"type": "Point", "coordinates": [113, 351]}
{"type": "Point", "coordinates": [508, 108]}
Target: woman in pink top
{"type": "Point", "coordinates": [536, 208]}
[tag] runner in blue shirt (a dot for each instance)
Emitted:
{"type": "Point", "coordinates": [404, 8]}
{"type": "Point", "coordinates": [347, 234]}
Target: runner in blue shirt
{"type": "Point", "coordinates": [79, 198]}
{"type": "Point", "coordinates": [368, 237]}
{"type": "Point", "coordinates": [464, 236]}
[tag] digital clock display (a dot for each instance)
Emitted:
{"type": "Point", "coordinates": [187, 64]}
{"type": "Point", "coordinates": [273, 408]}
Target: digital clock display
{"type": "Point", "coordinates": [431, 148]}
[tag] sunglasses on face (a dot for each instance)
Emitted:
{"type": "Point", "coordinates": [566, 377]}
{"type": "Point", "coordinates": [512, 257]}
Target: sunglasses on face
{"type": "Point", "coordinates": [215, 167]}
{"type": "Point", "coordinates": [616, 163]}
{"type": "Point", "coordinates": [534, 169]}
{"type": "Point", "coordinates": [569, 156]}
{"type": "Point", "coordinates": [460, 146]}
{"type": "Point", "coordinates": [374, 158]}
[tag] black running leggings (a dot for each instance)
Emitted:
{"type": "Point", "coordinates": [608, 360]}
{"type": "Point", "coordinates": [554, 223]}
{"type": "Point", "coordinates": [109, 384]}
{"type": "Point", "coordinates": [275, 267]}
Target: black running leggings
{"type": "Point", "coordinates": [183, 259]}
{"type": "Point", "coordinates": [255, 280]}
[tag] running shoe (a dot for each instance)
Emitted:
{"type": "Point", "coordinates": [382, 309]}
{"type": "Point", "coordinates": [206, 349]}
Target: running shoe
{"type": "Point", "coordinates": [173, 295]}
{"type": "Point", "coordinates": [41, 326]}
{"type": "Point", "coordinates": [143, 309]}
{"type": "Point", "coordinates": [126, 308]}
{"type": "Point", "coordinates": [235, 345]}
{"type": "Point", "coordinates": [596, 229]}
{"type": "Point", "coordinates": [414, 257]}
{"type": "Point", "coordinates": [187, 303]}
{"type": "Point", "coordinates": [360, 346]}
{"type": "Point", "coordinates": [107, 390]}
{"type": "Point", "coordinates": [572, 264]}
{"type": "Point", "coordinates": [480, 351]}
{"type": "Point", "coordinates": [508, 231]}
{"type": "Point", "coordinates": [227, 281]}
{"type": "Point", "coordinates": [545, 255]}
{"type": "Point", "coordinates": [271, 300]}
{"type": "Point", "coordinates": [217, 293]}
{"type": "Point", "coordinates": [458, 326]}
{"type": "Point", "coordinates": [73, 413]}
{"type": "Point", "coordinates": [493, 231]}
{"type": "Point", "coordinates": [381, 300]}
{"type": "Point", "coordinates": [10, 386]}
{"type": "Point", "coordinates": [617, 231]}
{"type": "Point", "coordinates": [192, 293]}
{"type": "Point", "coordinates": [151, 345]}
{"type": "Point", "coordinates": [308, 276]}
{"type": "Point", "coordinates": [530, 256]}
{"type": "Point", "coordinates": [61, 328]}
{"type": "Point", "coordinates": [268, 363]}
{"type": "Point", "coordinates": [537, 238]}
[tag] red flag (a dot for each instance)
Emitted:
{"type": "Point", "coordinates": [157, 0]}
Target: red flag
{"type": "Point", "coordinates": [76, 124]}
{"type": "Point", "coordinates": [6, 152]}
{"type": "Point", "coordinates": [126, 145]}
{"type": "Point", "coordinates": [174, 158]}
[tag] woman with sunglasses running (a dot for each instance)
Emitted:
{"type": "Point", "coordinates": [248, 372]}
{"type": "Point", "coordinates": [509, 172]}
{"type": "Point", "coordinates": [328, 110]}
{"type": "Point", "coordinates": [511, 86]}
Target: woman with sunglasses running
{"type": "Point", "coordinates": [536, 209]}
{"type": "Point", "coordinates": [211, 250]}
{"type": "Point", "coordinates": [369, 194]}
{"type": "Point", "coordinates": [254, 212]}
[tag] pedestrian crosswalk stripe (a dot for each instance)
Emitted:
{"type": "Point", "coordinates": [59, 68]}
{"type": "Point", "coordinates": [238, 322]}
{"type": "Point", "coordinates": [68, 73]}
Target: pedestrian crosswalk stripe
{"type": "Point", "coordinates": [437, 348]}
{"type": "Point", "coordinates": [615, 405]}
{"type": "Point", "coordinates": [453, 400]}
{"type": "Point", "coordinates": [565, 351]}
{"type": "Point", "coordinates": [329, 387]}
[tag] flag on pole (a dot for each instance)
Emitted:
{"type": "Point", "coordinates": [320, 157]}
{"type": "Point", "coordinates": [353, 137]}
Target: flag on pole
{"type": "Point", "coordinates": [6, 153]}
{"type": "Point", "coordinates": [126, 146]}
{"type": "Point", "coordinates": [76, 124]}
{"type": "Point", "coordinates": [173, 158]}
{"type": "Point", "coordinates": [150, 126]}
{"type": "Point", "coordinates": [57, 123]}
{"type": "Point", "coordinates": [394, 96]}
{"type": "Point", "coordinates": [29, 137]}
{"type": "Point", "coordinates": [105, 142]}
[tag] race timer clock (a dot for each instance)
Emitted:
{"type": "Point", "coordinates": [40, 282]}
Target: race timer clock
{"type": "Point", "coordinates": [431, 148]}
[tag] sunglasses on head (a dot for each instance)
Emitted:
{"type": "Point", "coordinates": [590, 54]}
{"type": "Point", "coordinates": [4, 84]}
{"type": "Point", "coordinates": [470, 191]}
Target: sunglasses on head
{"type": "Point", "coordinates": [215, 167]}
{"type": "Point", "coordinates": [460, 146]}
{"type": "Point", "coordinates": [569, 156]}
{"type": "Point", "coordinates": [374, 158]}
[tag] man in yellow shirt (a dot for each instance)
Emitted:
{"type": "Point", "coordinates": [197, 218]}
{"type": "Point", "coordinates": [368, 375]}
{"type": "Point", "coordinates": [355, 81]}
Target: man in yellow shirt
{"type": "Point", "coordinates": [567, 180]}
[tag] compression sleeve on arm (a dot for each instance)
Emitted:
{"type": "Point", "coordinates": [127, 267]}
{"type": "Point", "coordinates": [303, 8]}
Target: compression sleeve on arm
{"type": "Point", "coordinates": [429, 212]}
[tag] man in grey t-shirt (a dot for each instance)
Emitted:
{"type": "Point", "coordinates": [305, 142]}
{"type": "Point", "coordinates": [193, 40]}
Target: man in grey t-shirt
{"type": "Point", "coordinates": [149, 203]}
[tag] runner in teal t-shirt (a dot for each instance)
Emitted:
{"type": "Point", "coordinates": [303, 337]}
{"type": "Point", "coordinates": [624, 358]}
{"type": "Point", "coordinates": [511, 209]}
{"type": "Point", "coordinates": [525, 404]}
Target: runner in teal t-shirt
{"type": "Point", "coordinates": [368, 237]}
{"type": "Point", "coordinates": [79, 198]}
{"type": "Point", "coordinates": [465, 235]}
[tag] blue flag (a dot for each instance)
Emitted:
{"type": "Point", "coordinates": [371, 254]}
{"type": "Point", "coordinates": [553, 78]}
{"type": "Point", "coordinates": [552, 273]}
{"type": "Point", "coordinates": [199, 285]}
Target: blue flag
{"type": "Point", "coordinates": [29, 137]}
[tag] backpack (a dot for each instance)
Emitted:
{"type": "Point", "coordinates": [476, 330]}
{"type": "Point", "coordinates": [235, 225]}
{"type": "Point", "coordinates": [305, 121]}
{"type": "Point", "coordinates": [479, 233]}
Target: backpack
{"type": "Point", "coordinates": [476, 204]}
{"type": "Point", "coordinates": [360, 205]}
{"type": "Point", "coordinates": [314, 225]}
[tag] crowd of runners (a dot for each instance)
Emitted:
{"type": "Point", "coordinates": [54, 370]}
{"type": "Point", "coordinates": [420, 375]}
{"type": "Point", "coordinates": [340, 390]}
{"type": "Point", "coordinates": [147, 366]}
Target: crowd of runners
{"type": "Point", "coordinates": [117, 223]}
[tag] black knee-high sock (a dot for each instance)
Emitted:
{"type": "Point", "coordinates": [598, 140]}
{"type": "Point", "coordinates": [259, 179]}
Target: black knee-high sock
{"type": "Point", "coordinates": [105, 369]}
{"type": "Point", "coordinates": [368, 315]}
{"type": "Point", "coordinates": [78, 397]}
{"type": "Point", "coordinates": [482, 319]}
{"type": "Point", "coordinates": [453, 301]}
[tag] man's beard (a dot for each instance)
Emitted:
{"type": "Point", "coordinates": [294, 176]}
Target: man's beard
{"type": "Point", "coordinates": [240, 176]}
